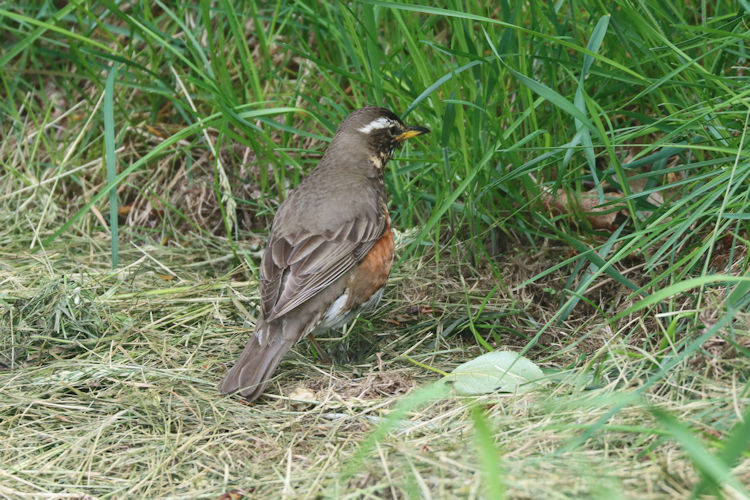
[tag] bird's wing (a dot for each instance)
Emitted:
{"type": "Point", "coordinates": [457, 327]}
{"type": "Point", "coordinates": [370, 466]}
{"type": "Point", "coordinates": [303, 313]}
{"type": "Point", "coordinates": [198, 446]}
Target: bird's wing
{"type": "Point", "coordinates": [296, 267]}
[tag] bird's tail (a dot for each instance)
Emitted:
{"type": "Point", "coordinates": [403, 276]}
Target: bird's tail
{"type": "Point", "coordinates": [255, 366]}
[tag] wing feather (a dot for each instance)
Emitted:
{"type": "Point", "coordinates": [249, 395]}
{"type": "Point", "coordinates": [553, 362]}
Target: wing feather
{"type": "Point", "coordinates": [296, 267]}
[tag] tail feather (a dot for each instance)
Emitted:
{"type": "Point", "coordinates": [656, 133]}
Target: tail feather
{"type": "Point", "coordinates": [255, 366]}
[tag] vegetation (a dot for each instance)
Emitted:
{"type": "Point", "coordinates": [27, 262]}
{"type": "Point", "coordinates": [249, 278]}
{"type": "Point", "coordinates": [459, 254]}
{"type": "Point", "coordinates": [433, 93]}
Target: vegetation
{"type": "Point", "coordinates": [582, 200]}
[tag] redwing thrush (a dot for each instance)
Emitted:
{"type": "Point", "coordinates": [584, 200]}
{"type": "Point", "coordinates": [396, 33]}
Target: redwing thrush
{"type": "Point", "coordinates": [330, 249]}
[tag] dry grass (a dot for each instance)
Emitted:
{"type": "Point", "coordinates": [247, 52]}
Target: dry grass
{"type": "Point", "coordinates": [110, 389]}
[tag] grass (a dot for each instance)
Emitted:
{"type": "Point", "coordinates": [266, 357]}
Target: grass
{"type": "Point", "coordinates": [582, 199]}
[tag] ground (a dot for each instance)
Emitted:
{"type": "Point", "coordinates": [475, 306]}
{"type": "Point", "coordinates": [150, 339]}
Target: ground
{"type": "Point", "coordinates": [112, 390]}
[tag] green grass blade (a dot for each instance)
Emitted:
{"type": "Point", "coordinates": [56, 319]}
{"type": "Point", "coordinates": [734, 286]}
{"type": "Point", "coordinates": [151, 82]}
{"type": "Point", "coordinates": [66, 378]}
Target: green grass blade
{"type": "Point", "coordinates": [676, 288]}
{"type": "Point", "coordinates": [111, 159]}
{"type": "Point", "coordinates": [712, 467]}
{"type": "Point", "coordinates": [28, 40]}
{"type": "Point", "coordinates": [489, 460]}
{"type": "Point", "coordinates": [46, 26]}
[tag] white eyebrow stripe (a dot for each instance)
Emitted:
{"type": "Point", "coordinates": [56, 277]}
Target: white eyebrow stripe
{"type": "Point", "coordinates": [381, 122]}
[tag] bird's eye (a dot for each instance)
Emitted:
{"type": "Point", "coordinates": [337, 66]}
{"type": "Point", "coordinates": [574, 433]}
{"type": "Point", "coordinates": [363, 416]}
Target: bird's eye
{"type": "Point", "coordinates": [394, 130]}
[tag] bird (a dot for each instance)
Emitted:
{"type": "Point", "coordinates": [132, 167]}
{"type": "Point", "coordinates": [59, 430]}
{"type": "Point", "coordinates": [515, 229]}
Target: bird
{"type": "Point", "coordinates": [330, 249]}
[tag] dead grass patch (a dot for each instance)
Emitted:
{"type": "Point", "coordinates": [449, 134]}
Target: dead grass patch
{"type": "Point", "coordinates": [120, 398]}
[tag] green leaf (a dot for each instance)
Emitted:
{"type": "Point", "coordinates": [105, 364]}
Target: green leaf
{"type": "Point", "coordinates": [503, 371]}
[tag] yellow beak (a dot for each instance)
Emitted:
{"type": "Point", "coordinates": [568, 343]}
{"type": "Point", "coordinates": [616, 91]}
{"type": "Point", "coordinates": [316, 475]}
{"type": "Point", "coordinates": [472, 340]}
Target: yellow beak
{"type": "Point", "coordinates": [411, 132]}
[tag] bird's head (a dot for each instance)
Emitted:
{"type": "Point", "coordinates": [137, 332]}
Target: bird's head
{"type": "Point", "coordinates": [377, 130]}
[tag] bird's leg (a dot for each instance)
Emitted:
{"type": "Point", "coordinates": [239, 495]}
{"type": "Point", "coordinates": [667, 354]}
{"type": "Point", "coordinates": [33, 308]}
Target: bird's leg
{"type": "Point", "coordinates": [324, 358]}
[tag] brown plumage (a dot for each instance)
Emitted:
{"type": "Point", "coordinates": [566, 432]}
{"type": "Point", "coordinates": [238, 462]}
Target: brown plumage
{"type": "Point", "coordinates": [330, 249]}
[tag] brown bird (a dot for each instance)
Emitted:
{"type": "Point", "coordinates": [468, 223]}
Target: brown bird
{"type": "Point", "coordinates": [330, 250]}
